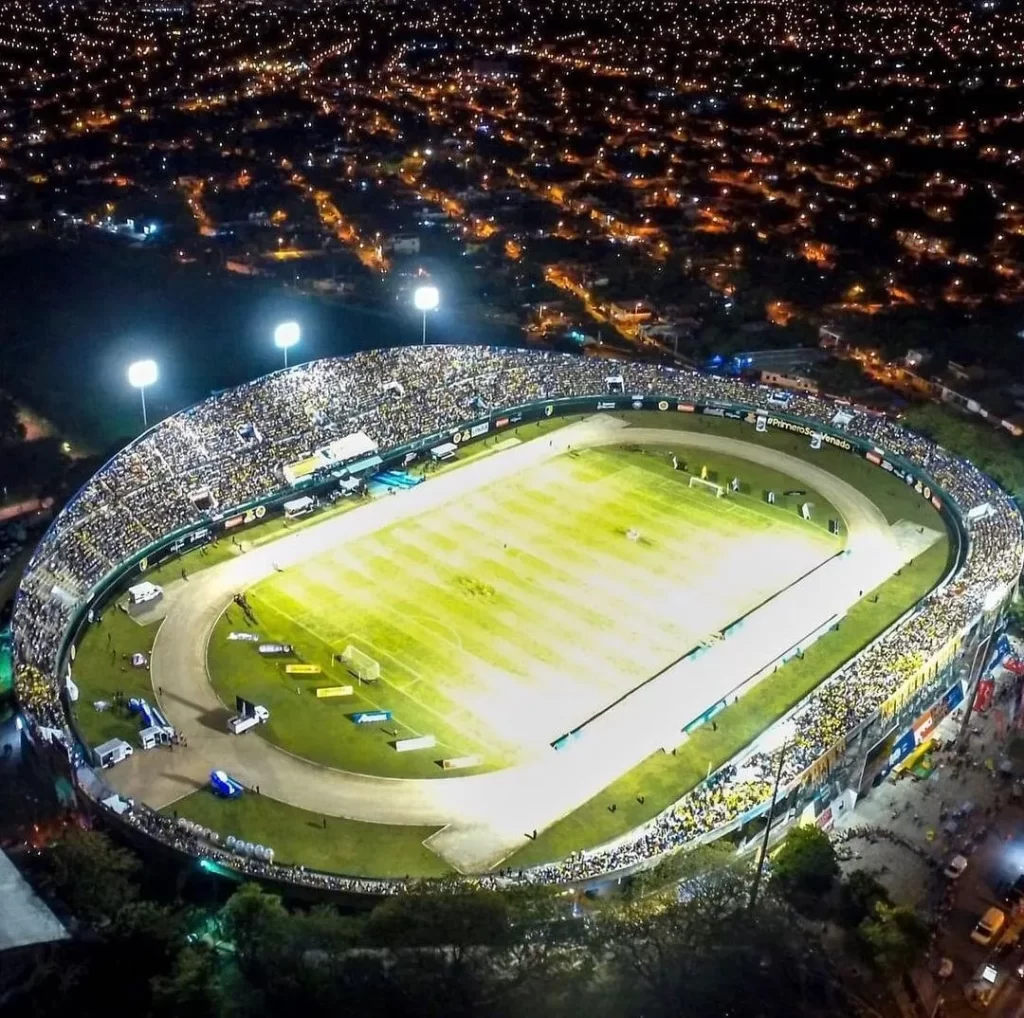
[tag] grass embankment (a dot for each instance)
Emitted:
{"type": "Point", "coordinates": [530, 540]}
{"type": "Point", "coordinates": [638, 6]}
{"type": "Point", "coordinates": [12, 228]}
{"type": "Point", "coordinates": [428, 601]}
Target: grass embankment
{"type": "Point", "coordinates": [100, 671]}
{"type": "Point", "coordinates": [298, 836]}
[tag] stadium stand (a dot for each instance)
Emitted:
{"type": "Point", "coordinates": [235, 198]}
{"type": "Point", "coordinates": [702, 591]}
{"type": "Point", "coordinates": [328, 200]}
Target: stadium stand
{"type": "Point", "coordinates": [235, 445]}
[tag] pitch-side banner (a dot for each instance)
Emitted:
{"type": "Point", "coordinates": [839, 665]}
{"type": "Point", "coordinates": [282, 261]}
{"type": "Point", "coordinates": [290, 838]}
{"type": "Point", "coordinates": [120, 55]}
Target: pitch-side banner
{"type": "Point", "coordinates": [369, 717]}
{"type": "Point", "coordinates": [325, 692]}
{"type": "Point", "coordinates": [420, 742]}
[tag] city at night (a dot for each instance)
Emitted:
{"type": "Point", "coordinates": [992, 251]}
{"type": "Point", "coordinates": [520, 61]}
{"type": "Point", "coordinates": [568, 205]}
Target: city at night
{"type": "Point", "coordinates": [511, 508]}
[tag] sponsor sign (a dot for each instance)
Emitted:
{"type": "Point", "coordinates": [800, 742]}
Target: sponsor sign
{"type": "Point", "coordinates": [608, 404]}
{"type": "Point", "coordinates": [936, 502]}
{"type": "Point", "coordinates": [420, 742]}
{"type": "Point", "coordinates": [515, 418]}
{"type": "Point", "coordinates": [457, 763]}
{"type": "Point", "coordinates": [549, 410]}
{"type": "Point", "coordinates": [143, 564]}
{"type": "Point", "coordinates": [249, 516]}
{"type": "Point", "coordinates": [795, 491]}
{"type": "Point", "coordinates": [501, 422]}
{"type": "Point", "coordinates": [761, 424]}
{"type": "Point", "coordinates": [203, 534]}
{"type": "Point", "coordinates": [299, 669]}
{"type": "Point", "coordinates": [638, 404]}
{"type": "Point", "coordinates": [923, 726]}
{"type": "Point", "coordinates": [816, 440]}
{"type": "Point", "coordinates": [369, 717]}
{"type": "Point", "coordinates": [714, 411]}
{"type": "Point", "coordinates": [886, 465]}
{"type": "Point", "coordinates": [662, 404]}
{"type": "Point", "coordinates": [249, 637]}
{"type": "Point", "coordinates": [685, 408]}
{"type": "Point", "coordinates": [275, 648]}
{"type": "Point", "coordinates": [805, 429]}
{"type": "Point", "coordinates": [479, 429]}
{"type": "Point", "coordinates": [735, 415]}
{"type": "Point", "coordinates": [323, 692]}
{"type": "Point", "coordinates": [902, 748]}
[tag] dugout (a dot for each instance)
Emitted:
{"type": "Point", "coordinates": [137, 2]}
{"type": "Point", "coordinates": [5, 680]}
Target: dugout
{"type": "Point", "coordinates": [444, 451]}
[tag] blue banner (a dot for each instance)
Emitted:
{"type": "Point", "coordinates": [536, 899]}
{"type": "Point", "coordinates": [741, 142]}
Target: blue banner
{"type": "Point", "coordinates": [368, 717]}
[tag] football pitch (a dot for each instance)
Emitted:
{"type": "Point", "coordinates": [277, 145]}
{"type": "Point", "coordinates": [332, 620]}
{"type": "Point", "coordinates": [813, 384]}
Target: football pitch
{"type": "Point", "coordinates": [504, 620]}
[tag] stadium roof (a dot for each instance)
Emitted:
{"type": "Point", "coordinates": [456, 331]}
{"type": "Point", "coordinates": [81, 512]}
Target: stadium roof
{"type": "Point", "coordinates": [24, 918]}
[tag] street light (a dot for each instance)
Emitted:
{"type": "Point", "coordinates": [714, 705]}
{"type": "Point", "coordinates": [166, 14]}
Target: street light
{"type": "Point", "coordinates": [140, 375]}
{"type": "Point", "coordinates": [426, 298]}
{"type": "Point", "coordinates": [780, 738]}
{"type": "Point", "coordinates": [286, 335]}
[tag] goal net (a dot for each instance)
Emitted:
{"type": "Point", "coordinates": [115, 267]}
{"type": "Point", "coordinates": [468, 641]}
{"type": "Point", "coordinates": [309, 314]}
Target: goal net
{"type": "Point", "coordinates": [361, 665]}
{"type": "Point", "coordinates": [718, 489]}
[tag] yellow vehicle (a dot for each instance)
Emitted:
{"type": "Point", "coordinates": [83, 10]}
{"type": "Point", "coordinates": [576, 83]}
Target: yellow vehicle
{"type": "Point", "coordinates": [989, 926]}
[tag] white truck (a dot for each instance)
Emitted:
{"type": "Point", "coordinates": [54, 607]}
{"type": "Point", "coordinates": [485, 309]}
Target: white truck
{"type": "Point", "coordinates": [243, 722]}
{"type": "Point", "coordinates": [112, 752]}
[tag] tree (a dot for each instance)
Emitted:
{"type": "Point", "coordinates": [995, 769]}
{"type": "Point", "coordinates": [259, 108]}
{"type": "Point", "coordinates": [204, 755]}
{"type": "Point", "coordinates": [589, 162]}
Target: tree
{"type": "Point", "coordinates": [713, 954]}
{"type": "Point", "coordinates": [192, 987]}
{"type": "Point", "coordinates": [859, 895]}
{"type": "Point", "coordinates": [91, 875]}
{"type": "Point", "coordinates": [254, 921]}
{"type": "Point", "coordinates": [806, 864]}
{"type": "Point", "coordinates": [1015, 614]}
{"type": "Point", "coordinates": [463, 919]}
{"type": "Point", "coordinates": [11, 428]}
{"type": "Point", "coordinates": [894, 936]}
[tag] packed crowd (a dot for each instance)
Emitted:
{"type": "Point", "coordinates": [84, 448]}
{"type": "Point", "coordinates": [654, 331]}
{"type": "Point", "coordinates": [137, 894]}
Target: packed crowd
{"type": "Point", "coordinates": [233, 447]}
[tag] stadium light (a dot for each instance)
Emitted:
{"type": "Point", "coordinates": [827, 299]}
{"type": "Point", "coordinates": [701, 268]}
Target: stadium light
{"type": "Point", "coordinates": [286, 335]}
{"type": "Point", "coordinates": [426, 298]}
{"type": "Point", "coordinates": [140, 375]}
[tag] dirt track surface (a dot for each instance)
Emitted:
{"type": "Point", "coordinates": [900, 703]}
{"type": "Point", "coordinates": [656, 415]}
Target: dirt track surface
{"type": "Point", "coordinates": [485, 817]}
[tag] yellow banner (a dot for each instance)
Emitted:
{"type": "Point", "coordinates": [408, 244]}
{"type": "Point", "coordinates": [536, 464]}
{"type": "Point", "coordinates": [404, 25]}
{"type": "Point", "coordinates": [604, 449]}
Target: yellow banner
{"type": "Point", "coordinates": [302, 669]}
{"type": "Point", "coordinates": [324, 691]}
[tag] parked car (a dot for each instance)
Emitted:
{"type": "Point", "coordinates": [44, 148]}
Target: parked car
{"type": "Point", "coordinates": [989, 926]}
{"type": "Point", "coordinates": [955, 867]}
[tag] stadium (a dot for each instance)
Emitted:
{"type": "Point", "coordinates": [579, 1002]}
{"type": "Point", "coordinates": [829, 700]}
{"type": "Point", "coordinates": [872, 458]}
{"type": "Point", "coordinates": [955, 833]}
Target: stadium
{"type": "Point", "coordinates": [498, 609]}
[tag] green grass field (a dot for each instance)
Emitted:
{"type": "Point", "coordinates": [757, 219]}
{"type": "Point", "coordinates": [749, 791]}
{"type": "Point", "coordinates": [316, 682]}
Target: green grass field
{"type": "Point", "coordinates": [504, 620]}
{"type": "Point", "coordinates": [343, 846]}
{"type": "Point", "coordinates": [100, 671]}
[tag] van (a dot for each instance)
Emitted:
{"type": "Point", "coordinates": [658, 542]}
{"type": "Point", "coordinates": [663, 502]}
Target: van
{"type": "Point", "coordinates": [989, 926]}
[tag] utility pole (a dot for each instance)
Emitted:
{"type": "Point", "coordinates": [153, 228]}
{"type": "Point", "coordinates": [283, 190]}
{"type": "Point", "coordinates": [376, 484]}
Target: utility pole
{"type": "Point", "coordinates": [768, 826]}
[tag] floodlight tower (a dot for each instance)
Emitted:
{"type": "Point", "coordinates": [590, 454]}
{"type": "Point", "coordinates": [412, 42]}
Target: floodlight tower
{"type": "Point", "coordinates": [287, 335]}
{"type": "Point", "coordinates": [142, 374]}
{"type": "Point", "coordinates": [426, 298]}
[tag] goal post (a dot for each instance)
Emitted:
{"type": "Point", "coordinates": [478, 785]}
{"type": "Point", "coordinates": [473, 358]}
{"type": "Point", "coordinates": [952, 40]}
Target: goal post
{"type": "Point", "coordinates": [717, 489]}
{"type": "Point", "coordinates": [364, 667]}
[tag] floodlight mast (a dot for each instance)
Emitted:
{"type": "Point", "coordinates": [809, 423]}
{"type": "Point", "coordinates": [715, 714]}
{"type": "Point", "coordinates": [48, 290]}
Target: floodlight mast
{"type": "Point", "coordinates": [426, 298]}
{"type": "Point", "coordinates": [287, 335]}
{"type": "Point", "coordinates": [142, 374]}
